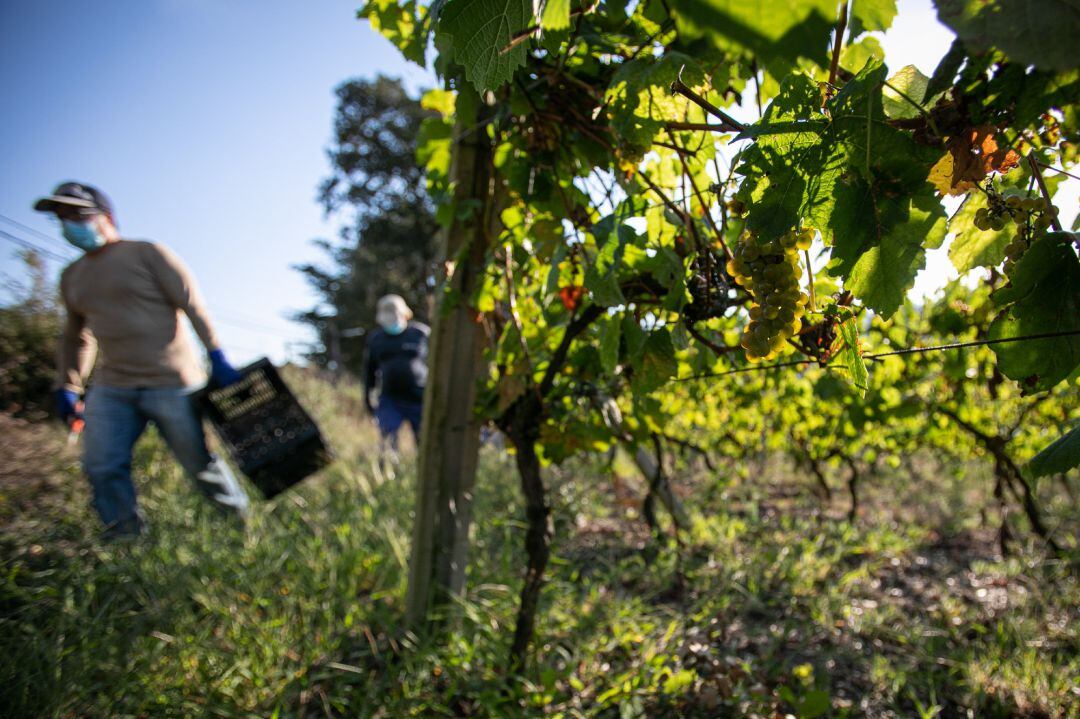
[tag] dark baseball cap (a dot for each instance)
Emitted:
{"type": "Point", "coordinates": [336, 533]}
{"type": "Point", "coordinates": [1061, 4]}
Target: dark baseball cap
{"type": "Point", "coordinates": [75, 197]}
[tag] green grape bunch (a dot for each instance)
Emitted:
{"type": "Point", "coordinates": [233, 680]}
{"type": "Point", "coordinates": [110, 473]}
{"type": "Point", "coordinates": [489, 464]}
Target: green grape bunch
{"type": "Point", "coordinates": [1031, 215]}
{"type": "Point", "coordinates": [770, 271]}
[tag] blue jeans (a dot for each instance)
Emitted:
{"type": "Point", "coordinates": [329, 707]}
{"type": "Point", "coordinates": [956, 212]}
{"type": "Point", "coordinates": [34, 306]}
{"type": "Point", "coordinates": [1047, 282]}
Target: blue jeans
{"type": "Point", "coordinates": [115, 419]}
{"type": "Point", "coordinates": [392, 413]}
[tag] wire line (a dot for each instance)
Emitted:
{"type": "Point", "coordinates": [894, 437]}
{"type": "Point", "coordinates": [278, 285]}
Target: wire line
{"type": "Point", "coordinates": [32, 231]}
{"type": "Point", "coordinates": [27, 244]}
{"type": "Point", "coordinates": [973, 343]}
{"type": "Point", "coordinates": [879, 355]}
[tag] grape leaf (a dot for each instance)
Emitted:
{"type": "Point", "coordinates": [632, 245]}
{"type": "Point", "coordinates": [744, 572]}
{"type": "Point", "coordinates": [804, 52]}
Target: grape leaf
{"type": "Point", "coordinates": [882, 276]}
{"type": "Point", "coordinates": [1061, 456]}
{"type": "Point", "coordinates": [857, 54]}
{"type": "Point", "coordinates": [640, 100]}
{"type": "Point", "coordinates": [778, 32]}
{"type": "Point", "coordinates": [633, 337]}
{"type": "Point", "coordinates": [440, 101]}
{"type": "Point", "coordinates": [601, 277]}
{"type": "Point", "coordinates": [434, 146]}
{"type": "Point", "coordinates": [973, 154]}
{"type": "Point", "coordinates": [556, 15]}
{"type": "Point", "coordinates": [658, 363]}
{"type": "Point", "coordinates": [851, 356]}
{"type": "Point", "coordinates": [791, 169]}
{"type": "Point", "coordinates": [1032, 32]}
{"type": "Point", "coordinates": [401, 24]}
{"type": "Point", "coordinates": [972, 247]}
{"type": "Point", "coordinates": [477, 31]}
{"type": "Point", "coordinates": [905, 93]}
{"type": "Point", "coordinates": [1042, 297]}
{"type": "Point", "coordinates": [610, 331]}
{"type": "Point", "coordinates": [871, 16]}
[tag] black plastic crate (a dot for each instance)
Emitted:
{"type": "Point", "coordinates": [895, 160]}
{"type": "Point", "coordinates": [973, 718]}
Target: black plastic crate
{"type": "Point", "coordinates": [268, 434]}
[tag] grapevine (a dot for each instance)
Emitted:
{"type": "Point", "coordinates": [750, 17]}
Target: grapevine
{"type": "Point", "coordinates": [604, 120]}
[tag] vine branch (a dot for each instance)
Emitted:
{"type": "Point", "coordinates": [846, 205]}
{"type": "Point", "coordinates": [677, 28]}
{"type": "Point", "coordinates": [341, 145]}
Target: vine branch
{"type": "Point", "coordinates": [681, 88]}
{"type": "Point", "coordinates": [838, 42]}
{"type": "Point", "coordinates": [1037, 173]}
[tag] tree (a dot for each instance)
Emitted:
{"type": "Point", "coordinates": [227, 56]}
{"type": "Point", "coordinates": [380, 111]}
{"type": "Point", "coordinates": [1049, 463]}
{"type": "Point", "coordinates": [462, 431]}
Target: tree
{"type": "Point", "coordinates": [388, 243]}
{"type": "Point", "coordinates": [29, 330]}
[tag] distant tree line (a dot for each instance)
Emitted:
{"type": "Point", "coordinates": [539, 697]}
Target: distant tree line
{"type": "Point", "coordinates": [29, 330]}
{"type": "Point", "coordinates": [388, 241]}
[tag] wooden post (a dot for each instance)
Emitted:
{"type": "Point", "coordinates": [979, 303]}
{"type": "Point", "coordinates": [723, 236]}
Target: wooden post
{"type": "Point", "coordinates": [450, 433]}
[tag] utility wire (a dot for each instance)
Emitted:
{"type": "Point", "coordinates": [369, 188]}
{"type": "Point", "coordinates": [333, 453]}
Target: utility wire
{"type": "Point", "coordinates": [225, 319]}
{"type": "Point", "coordinates": [36, 233]}
{"type": "Point", "coordinates": [32, 246]}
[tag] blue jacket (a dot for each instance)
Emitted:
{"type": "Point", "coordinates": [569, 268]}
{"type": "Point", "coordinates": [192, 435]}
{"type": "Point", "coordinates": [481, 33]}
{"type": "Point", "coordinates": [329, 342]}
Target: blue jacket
{"type": "Point", "coordinates": [398, 363]}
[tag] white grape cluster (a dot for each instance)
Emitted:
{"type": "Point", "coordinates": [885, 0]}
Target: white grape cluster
{"type": "Point", "coordinates": [770, 271]}
{"type": "Point", "coordinates": [1032, 216]}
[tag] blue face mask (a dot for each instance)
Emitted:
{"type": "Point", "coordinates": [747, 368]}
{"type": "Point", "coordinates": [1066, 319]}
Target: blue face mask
{"type": "Point", "coordinates": [395, 329]}
{"type": "Point", "coordinates": [83, 235]}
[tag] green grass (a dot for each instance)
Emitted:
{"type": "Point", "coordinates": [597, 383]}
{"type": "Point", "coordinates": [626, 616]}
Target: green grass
{"type": "Point", "coordinates": [770, 607]}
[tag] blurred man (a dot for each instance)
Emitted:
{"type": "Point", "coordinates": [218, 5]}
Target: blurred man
{"type": "Point", "coordinates": [123, 301]}
{"type": "Point", "coordinates": [396, 363]}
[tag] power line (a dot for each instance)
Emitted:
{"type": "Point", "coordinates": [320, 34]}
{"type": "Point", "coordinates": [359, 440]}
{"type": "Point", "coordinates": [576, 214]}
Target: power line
{"type": "Point", "coordinates": [223, 318]}
{"type": "Point", "coordinates": [35, 247]}
{"type": "Point", "coordinates": [32, 231]}
{"type": "Point", "coordinates": [240, 315]}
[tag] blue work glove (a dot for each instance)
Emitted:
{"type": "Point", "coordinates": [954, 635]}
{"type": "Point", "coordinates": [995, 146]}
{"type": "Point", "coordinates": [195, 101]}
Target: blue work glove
{"type": "Point", "coordinates": [67, 405]}
{"type": "Point", "coordinates": [222, 373]}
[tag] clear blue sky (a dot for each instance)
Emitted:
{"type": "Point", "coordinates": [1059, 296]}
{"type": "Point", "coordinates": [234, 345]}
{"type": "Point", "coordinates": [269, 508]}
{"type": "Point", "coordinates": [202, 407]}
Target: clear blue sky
{"type": "Point", "coordinates": [205, 121]}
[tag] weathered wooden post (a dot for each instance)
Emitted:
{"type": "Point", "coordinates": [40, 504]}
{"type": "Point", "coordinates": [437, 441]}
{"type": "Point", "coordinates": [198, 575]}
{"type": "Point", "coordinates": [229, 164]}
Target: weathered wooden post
{"type": "Point", "coordinates": [450, 433]}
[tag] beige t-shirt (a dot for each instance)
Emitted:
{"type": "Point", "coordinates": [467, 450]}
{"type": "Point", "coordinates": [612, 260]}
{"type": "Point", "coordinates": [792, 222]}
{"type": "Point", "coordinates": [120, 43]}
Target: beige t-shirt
{"type": "Point", "coordinates": [128, 296]}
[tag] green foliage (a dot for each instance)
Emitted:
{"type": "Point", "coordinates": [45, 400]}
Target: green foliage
{"type": "Point", "coordinates": [871, 16]}
{"type": "Point", "coordinates": [852, 357]}
{"type": "Point", "coordinates": [855, 178]}
{"type": "Point", "coordinates": [1043, 297]}
{"type": "Point", "coordinates": [972, 247]}
{"type": "Point", "coordinates": [29, 331]}
{"type": "Point", "coordinates": [769, 609]}
{"type": "Point", "coordinates": [626, 171]}
{"type": "Point", "coordinates": [904, 96]}
{"type": "Point", "coordinates": [884, 273]}
{"type": "Point", "coordinates": [1059, 457]}
{"type": "Point", "coordinates": [556, 15]}
{"type": "Point", "coordinates": [778, 32]}
{"type": "Point", "coordinates": [401, 24]}
{"type": "Point", "coordinates": [479, 32]}
{"type": "Point", "coordinates": [1036, 32]}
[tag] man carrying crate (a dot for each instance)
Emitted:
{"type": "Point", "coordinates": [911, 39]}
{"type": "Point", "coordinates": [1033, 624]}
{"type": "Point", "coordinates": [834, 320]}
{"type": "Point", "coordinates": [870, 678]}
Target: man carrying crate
{"type": "Point", "coordinates": [123, 301]}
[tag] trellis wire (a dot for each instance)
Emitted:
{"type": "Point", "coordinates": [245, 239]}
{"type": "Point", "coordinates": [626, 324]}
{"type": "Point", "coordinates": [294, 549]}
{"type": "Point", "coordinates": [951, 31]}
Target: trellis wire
{"type": "Point", "coordinates": [879, 355]}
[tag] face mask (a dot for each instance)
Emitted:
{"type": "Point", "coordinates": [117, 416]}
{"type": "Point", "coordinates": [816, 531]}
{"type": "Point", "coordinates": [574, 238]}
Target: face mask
{"type": "Point", "coordinates": [83, 235]}
{"type": "Point", "coordinates": [395, 329]}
